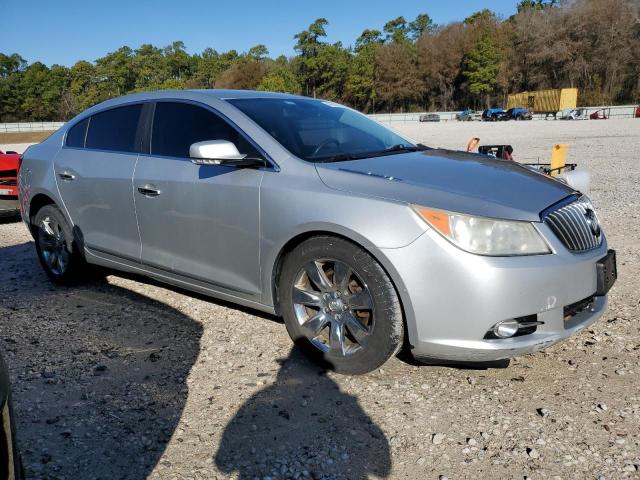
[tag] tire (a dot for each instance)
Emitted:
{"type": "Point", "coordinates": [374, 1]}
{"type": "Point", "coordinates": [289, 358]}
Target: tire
{"type": "Point", "coordinates": [57, 251]}
{"type": "Point", "coordinates": [320, 308]}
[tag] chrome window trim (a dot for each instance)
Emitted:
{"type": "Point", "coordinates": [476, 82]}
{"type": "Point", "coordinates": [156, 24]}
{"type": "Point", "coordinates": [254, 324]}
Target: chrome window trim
{"type": "Point", "coordinates": [272, 167]}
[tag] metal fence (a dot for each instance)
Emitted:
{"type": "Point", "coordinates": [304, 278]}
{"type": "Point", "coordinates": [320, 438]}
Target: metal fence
{"type": "Point", "coordinates": [620, 111]}
{"type": "Point", "coordinates": [29, 127]}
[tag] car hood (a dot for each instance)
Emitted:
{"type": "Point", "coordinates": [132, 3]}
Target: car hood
{"type": "Point", "coordinates": [449, 180]}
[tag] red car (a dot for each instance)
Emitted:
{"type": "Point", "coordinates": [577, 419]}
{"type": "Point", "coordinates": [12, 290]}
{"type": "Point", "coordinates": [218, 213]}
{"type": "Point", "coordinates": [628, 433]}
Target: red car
{"type": "Point", "coordinates": [9, 166]}
{"type": "Point", "coordinates": [599, 115]}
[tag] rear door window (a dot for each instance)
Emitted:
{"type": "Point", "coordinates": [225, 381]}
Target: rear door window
{"type": "Point", "coordinates": [178, 125]}
{"type": "Point", "coordinates": [115, 129]}
{"type": "Point", "coordinates": [77, 133]}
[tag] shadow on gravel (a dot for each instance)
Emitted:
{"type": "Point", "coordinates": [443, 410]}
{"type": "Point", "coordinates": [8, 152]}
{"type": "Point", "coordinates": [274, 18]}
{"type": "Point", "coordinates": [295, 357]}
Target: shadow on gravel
{"type": "Point", "coordinates": [303, 422]}
{"type": "Point", "coordinates": [99, 372]}
{"type": "Point", "coordinates": [190, 293]}
{"type": "Point", "coordinates": [4, 218]}
{"type": "Point", "coordinates": [405, 356]}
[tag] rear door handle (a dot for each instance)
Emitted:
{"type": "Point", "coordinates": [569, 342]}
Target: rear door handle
{"type": "Point", "coordinates": [67, 176]}
{"type": "Point", "coordinates": [149, 191]}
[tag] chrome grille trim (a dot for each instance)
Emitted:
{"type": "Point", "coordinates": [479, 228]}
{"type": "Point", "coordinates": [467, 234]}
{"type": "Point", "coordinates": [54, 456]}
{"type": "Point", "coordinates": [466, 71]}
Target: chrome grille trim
{"type": "Point", "coordinates": [571, 224]}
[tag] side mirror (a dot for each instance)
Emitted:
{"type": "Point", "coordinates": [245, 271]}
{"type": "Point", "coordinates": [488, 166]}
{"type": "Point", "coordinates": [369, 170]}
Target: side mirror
{"type": "Point", "coordinates": [221, 152]}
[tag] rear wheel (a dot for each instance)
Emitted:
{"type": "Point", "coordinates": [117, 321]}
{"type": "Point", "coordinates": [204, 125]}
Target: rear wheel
{"type": "Point", "coordinates": [340, 306]}
{"type": "Point", "coordinates": [57, 252]}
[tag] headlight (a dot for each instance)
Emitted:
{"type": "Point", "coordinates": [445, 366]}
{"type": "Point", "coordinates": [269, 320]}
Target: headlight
{"type": "Point", "coordinates": [485, 236]}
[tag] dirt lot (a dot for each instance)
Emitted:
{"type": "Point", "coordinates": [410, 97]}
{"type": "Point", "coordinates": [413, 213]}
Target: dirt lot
{"type": "Point", "coordinates": [23, 137]}
{"type": "Point", "coordinates": [124, 378]}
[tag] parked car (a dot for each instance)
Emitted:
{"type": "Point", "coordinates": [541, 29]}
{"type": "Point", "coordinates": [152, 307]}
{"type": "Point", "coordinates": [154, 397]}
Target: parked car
{"type": "Point", "coordinates": [429, 117]}
{"type": "Point", "coordinates": [514, 114]}
{"type": "Point", "coordinates": [492, 114]}
{"type": "Point", "coordinates": [599, 115]}
{"type": "Point", "coordinates": [10, 466]}
{"type": "Point", "coordinates": [359, 237]}
{"type": "Point", "coordinates": [573, 114]}
{"type": "Point", "coordinates": [468, 116]}
{"type": "Point", "coordinates": [9, 166]}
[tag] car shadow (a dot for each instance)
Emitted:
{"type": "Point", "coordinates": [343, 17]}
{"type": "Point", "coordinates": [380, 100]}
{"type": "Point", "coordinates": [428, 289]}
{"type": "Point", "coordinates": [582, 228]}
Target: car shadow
{"type": "Point", "coordinates": [98, 371]}
{"type": "Point", "coordinates": [100, 271]}
{"type": "Point", "coordinates": [303, 426]}
{"type": "Point", "coordinates": [9, 218]}
{"type": "Point", "coordinates": [406, 357]}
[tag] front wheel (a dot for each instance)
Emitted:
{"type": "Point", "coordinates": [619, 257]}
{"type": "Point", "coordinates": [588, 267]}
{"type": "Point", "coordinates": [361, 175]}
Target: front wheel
{"type": "Point", "coordinates": [340, 306]}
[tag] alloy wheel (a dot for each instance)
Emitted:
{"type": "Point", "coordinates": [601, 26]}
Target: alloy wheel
{"type": "Point", "coordinates": [53, 245]}
{"type": "Point", "coordinates": [333, 306]}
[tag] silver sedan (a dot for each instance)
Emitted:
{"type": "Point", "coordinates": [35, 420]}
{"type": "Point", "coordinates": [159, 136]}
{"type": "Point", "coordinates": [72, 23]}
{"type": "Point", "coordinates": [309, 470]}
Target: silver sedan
{"type": "Point", "coordinates": [362, 239]}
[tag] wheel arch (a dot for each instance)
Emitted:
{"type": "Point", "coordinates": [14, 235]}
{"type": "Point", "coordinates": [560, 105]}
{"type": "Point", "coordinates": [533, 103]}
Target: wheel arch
{"type": "Point", "coordinates": [377, 254]}
{"type": "Point", "coordinates": [41, 200]}
{"type": "Point", "coordinates": [37, 202]}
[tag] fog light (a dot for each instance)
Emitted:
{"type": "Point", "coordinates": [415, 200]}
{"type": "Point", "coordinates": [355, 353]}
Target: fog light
{"type": "Point", "coordinates": [506, 328]}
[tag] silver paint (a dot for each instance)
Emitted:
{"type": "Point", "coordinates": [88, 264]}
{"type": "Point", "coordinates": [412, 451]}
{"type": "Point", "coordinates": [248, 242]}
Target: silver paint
{"type": "Point", "coordinates": [222, 230]}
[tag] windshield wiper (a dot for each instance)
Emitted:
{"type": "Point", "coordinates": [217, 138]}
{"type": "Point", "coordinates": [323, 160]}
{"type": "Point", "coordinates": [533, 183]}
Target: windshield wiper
{"type": "Point", "coordinates": [399, 148]}
{"type": "Point", "coordinates": [340, 157]}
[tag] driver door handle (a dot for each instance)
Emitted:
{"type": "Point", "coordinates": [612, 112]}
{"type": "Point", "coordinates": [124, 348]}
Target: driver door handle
{"type": "Point", "coordinates": [149, 190]}
{"type": "Point", "coordinates": [66, 176]}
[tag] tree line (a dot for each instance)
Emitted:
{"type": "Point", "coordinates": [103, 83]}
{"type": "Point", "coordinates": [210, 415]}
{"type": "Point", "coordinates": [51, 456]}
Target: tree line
{"type": "Point", "coordinates": [409, 65]}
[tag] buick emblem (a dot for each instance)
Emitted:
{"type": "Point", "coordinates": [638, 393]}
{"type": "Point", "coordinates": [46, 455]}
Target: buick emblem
{"type": "Point", "coordinates": [592, 221]}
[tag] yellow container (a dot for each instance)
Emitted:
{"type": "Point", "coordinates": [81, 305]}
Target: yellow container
{"type": "Point", "coordinates": [544, 101]}
{"type": "Point", "coordinates": [558, 159]}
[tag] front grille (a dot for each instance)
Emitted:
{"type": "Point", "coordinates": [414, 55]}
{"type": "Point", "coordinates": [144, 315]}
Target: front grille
{"type": "Point", "coordinates": [10, 182]}
{"type": "Point", "coordinates": [576, 225]}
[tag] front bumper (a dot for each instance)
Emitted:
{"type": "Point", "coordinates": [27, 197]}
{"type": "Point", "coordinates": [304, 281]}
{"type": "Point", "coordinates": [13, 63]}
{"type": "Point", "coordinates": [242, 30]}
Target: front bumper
{"type": "Point", "coordinates": [8, 204]}
{"type": "Point", "coordinates": [453, 298]}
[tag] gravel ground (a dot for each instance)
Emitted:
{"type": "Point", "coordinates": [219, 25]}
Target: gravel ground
{"type": "Point", "coordinates": [125, 378]}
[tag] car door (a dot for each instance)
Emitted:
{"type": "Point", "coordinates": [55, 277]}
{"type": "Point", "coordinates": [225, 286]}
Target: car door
{"type": "Point", "coordinates": [198, 221]}
{"type": "Point", "coordinates": [94, 171]}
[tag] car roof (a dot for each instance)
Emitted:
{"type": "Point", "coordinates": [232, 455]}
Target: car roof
{"type": "Point", "coordinates": [224, 94]}
{"type": "Point", "coordinates": [198, 95]}
{"type": "Point", "coordinates": [220, 94]}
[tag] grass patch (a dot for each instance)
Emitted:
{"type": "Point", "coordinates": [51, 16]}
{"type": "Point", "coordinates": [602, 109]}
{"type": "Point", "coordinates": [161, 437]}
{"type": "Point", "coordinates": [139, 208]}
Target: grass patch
{"type": "Point", "coordinates": [24, 137]}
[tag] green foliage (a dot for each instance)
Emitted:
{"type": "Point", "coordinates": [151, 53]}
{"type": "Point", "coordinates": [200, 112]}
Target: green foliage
{"type": "Point", "coordinates": [280, 78]}
{"type": "Point", "coordinates": [409, 65]}
{"type": "Point", "coordinates": [360, 84]}
{"type": "Point", "coordinates": [308, 45]}
{"type": "Point", "coordinates": [397, 30]}
{"type": "Point", "coordinates": [421, 25]}
{"type": "Point", "coordinates": [258, 52]}
{"type": "Point", "coordinates": [482, 65]}
{"type": "Point", "coordinates": [483, 16]}
{"type": "Point", "coordinates": [535, 4]}
{"type": "Point", "coordinates": [10, 64]}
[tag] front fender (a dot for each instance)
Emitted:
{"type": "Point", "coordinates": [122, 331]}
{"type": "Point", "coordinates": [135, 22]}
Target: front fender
{"type": "Point", "coordinates": [375, 224]}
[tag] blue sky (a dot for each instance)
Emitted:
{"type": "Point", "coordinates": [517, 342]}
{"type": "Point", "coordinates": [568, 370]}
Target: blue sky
{"type": "Point", "coordinates": [65, 31]}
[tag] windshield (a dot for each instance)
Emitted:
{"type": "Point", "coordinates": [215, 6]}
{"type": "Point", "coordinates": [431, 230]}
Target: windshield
{"type": "Point", "coordinates": [317, 130]}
